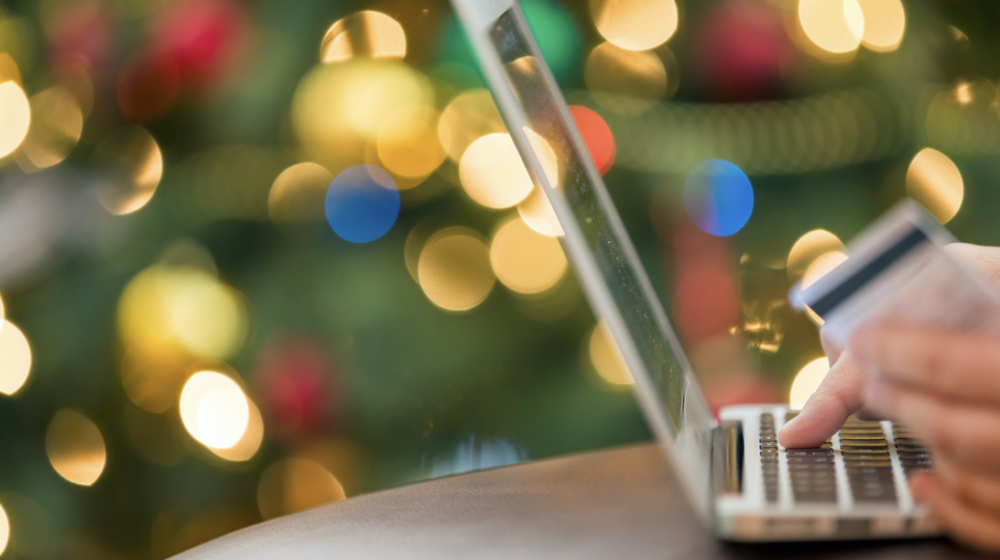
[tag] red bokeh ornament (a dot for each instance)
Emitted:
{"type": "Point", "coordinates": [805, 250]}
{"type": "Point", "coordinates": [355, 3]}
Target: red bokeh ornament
{"type": "Point", "coordinates": [296, 387]}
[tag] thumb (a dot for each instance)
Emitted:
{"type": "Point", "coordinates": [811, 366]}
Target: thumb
{"type": "Point", "coordinates": [824, 413]}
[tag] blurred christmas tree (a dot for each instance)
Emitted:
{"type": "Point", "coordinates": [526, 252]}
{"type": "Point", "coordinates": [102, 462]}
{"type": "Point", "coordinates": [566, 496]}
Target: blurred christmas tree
{"type": "Point", "coordinates": [257, 256]}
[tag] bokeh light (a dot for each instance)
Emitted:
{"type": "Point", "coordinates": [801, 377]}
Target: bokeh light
{"type": "Point", "coordinates": [524, 260]}
{"type": "Point", "coordinates": [408, 144]}
{"type": "Point", "coordinates": [9, 72]}
{"type": "Point", "coordinates": [168, 309]}
{"type": "Point", "coordinates": [56, 126]}
{"type": "Point", "coordinates": [468, 117]}
{"type": "Point", "coordinates": [934, 181]}
{"type": "Point", "coordinates": [808, 248]}
{"type": "Point", "coordinates": [807, 380]}
{"type": "Point", "coordinates": [810, 133]}
{"type": "Point", "coordinates": [596, 135]}
{"type": "Point", "coordinates": [296, 484]}
{"type": "Point", "coordinates": [718, 197]}
{"type": "Point", "coordinates": [298, 194]}
{"type": "Point", "coordinates": [884, 24]}
{"type": "Point", "coordinates": [249, 443]}
{"type": "Point", "coordinates": [835, 26]}
{"type": "Point", "coordinates": [492, 172]}
{"type": "Point", "coordinates": [214, 410]}
{"type": "Point", "coordinates": [639, 76]}
{"type": "Point", "coordinates": [339, 109]}
{"type": "Point", "coordinates": [537, 212]}
{"type": "Point", "coordinates": [635, 25]}
{"type": "Point", "coordinates": [821, 266]}
{"type": "Point", "coordinates": [15, 358]}
{"type": "Point", "coordinates": [556, 33]}
{"type": "Point", "coordinates": [4, 529]}
{"type": "Point", "coordinates": [15, 117]}
{"type": "Point", "coordinates": [363, 34]}
{"type": "Point", "coordinates": [606, 357]}
{"type": "Point", "coordinates": [362, 203]}
{"type": "Point", "coordinates": [454, 269]}
{"type": "Point", "coordinates": [75, 447]}
{"type": "Point", "coordinates": [134, 162]}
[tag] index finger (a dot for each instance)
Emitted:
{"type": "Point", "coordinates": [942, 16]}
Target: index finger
{"type": "Point", "coordinates": [827, 409]}
{"type": "Point", "coordinates": [957, 365]}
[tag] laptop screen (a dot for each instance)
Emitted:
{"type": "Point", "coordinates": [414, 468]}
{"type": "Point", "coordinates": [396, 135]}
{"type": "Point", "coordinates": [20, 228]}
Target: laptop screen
{"type": "Point", "coordinates": [607, 241]}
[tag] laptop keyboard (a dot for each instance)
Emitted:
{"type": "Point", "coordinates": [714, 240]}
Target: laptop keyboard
{"type": "Point", "coordinates": [866, 456]}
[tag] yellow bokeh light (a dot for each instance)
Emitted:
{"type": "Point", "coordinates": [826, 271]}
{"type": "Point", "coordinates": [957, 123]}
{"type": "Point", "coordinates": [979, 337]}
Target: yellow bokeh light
{"type": "Point", "coordinates": [835, 26]}
{"type": "Point", "coordinates": [808, 248]}
{"type": "Point", "coordinates": [249, 443]}
{"type": "Point", "coordinates": [635, 25]}
{"type": "Point", "coordinates": [537, 212]}
{"type": "Point", "coordinates": [934, 181]}
{"type": "Point", "coordinates": [298, 194]}
{"type": "Point", "coordinates": [821, 266]}
{"type": "Point", "coordinates": [807, 380]}
{"type": "Point", "coordinates": [454, 269]}
{"type": "Point", "coordinates": [184, 308]}
{"type": "Point", "coordinates": [546, 156]}
{"type": "Point", "coordinates": [9, 72]}
{"type": "Point", "coordinates": [214, 410]}
{"type": "Point", "coordinates": [56, 126]}
{"type": "Point", "coordinates": [364, 34]}
{"type": "Point", "coordinates": [884, 24]}
{"type": "Point", "coordinates": [524, 260]}
{"type": "Point", "coordinates": [607, 357]}
{"type": "Point", "coordinates": [75, 447]}
{"type": "Point", "coordinates": [296, 484]}
{"type": "Point", "coordinates": [339, 109]}
{"type": "Point", "coordinates": [408, 144]}
{"type": "Point", "coordinates": [135, 161]}
{"type": "Point", "coordinates": [468, 117]}
{"type": "Point", "coordinates": [640, 76]}
{"type": "Point", "coordinates": [4, 529]}
{"type": "Point", "coordinates": [492, 172]}
{"type": "Point", "coordinates": [15, 358]}
{"type": "Point", "coordinates": [963, 93]}
{"type": "Point", "coordinates": [15, 117]}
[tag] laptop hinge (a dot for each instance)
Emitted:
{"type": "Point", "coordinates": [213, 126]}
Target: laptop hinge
{"type": "Point", "coordinates": [727, 458]}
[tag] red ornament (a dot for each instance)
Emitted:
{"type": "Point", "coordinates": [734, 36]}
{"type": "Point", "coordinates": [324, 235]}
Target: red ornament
{"type": "Point", "coordinates": [706, 301]}
{"type": "Point", "coordinates": [596, 135]}
{"type": "Point", "coordinates": [739, 388]}
{"type": "Point", "coordinates": [80, 30]}
{"type": "Point", "coordinates": [204, 38]}
{"type": "Point", "coordinates": [742, 50]}
{"type": "Point", "coordinates": [296, 388]}
{"type": "Point", "coordinates": [148, 87]}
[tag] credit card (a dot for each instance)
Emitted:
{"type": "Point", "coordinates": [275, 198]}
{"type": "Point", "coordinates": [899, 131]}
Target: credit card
{"type": "Point", "coordinates": [900, 270]}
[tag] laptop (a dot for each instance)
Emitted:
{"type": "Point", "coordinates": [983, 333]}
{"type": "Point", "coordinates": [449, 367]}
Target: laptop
{"type": "Point", "coordinates": [739, 481]}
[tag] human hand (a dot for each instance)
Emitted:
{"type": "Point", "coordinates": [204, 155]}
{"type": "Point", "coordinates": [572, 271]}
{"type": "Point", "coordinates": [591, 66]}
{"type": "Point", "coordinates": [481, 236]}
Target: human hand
{"type": "Point", "coordinates": [917, 384]}
{"type": "Point", "coordinates": [944, 387]}
{"type": "Point", "coordinates": [840, 394]}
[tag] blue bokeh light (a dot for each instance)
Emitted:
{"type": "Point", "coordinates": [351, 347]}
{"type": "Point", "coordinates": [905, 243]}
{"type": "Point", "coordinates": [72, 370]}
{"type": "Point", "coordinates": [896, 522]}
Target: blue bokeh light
{"type": "Point", "coordinates": [718, 197]}
{"type": "Point", "coordinates": [362, 203]}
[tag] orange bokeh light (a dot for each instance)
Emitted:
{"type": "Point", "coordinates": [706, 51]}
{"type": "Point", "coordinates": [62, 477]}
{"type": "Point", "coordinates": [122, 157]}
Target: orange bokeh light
{"type": "Point", "coordinates": [596, 135]}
